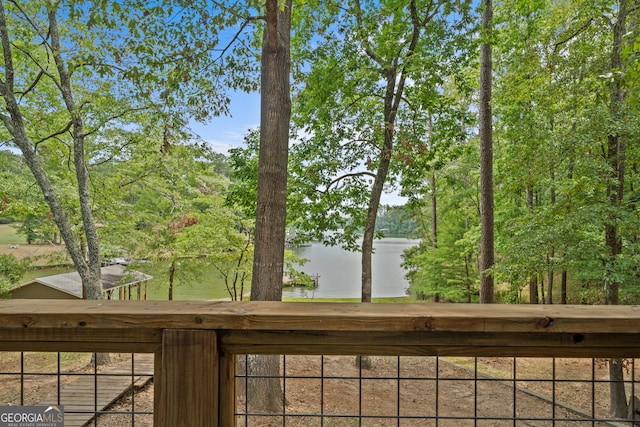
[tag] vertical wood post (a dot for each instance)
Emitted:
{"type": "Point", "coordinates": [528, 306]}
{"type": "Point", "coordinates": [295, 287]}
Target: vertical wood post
{"type": "Point", "coordinates": [186, 379]}
{"type": "Point", "coordinates": [227, 377]}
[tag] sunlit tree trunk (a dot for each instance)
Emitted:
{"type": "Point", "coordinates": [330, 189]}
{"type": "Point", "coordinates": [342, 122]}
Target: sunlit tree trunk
{"type": "Point", "coordinates": [265, 394]}
{"type": "Point", "coordinates": [486, 160]}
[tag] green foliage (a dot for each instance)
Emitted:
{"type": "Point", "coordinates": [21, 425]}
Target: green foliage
{"type": "Point", "coordinates": [397, 221]}
{"type": "Point", "coordinates": [344, 110]}
{"type": "Point", "coordinates": [554, 117]}
{"type": "Point", "coordinates": [11, 271]}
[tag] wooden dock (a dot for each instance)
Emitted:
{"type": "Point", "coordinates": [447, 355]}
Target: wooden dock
{"type": "Point", "coordinates": [79, 398]}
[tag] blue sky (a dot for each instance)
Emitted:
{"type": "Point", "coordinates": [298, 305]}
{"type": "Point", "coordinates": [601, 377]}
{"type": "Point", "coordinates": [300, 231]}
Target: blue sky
{"type": "Point", "coordinates": [227, 132]}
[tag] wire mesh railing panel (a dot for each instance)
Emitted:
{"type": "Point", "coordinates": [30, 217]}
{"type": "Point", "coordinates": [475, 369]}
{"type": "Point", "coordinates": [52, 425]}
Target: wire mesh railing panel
{"type": "Point", "coordinates": [90, 392]}
{"type": "Point", "coordinates": [432, 391]}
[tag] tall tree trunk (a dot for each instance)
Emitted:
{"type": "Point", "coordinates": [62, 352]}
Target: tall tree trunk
{"type": "Point", "coordinates": [395, 78]}
{"type": "Point", "coordinates": [434, 223]}
{"type": "Point", "coordinates": [552, 253]}
{"type": "Point", "coordinates": [14, 122]}
{"type": "Point", "coordinates": [486, 160]}
{"type": "Point", "coordinates": [82, 174]}
{"type": "Point", "coordinates": [533, 290]}
{"type": "Point", "coordinates": [275, 115]}
{"type": "Point", "coordinates": [467, 261]}
{"type": "Point", "coordinates": [265, 393]}
{"type": "Point", "coordinates": [550, 277]}
{"type": "Point", "coordinates": [615, 158]}
{"type": "Point", "coordinates": [563, 287]}
{"type": "Point", "coordinates": [434, 213]}
{"type": "Point", "coordinates": [172, 276]}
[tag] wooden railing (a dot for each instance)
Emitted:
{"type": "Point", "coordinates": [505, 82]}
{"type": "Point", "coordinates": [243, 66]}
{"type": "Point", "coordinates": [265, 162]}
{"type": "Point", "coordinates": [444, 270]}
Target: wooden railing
{"type": "Point", "coordinates": [195, 343]}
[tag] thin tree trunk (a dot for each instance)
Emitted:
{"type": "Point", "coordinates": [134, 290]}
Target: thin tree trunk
{"type": "Point", "coordinates": [94, 285]}
{"type": "Point", "coordinates": [434, 223]}
{"type": "Point", "coordinates": [563, 288]}
{"type": "Point", "coordinates": [533, 290]}
{"type": "Point", "coordinates": [467, 262]}
{"type": "Point", "coordinates": [552, 253]}
{"type": "Point", "coordinates": [395, 77]}
{"type": "Point", "coordinates": [615, 157]}
{"type": "Point", "coordinates": [172, 275]}
{"type": "Point", "coordinates": [14, 122]}
{"type": "Point", "coordinates": [434, 213]}
{"type": "Point", "coordinates": [486, 160]}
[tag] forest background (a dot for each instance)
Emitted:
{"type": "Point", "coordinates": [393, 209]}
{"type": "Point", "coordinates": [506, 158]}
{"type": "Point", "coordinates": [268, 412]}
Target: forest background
{"type": "Point", "coordinates": [157, 191]}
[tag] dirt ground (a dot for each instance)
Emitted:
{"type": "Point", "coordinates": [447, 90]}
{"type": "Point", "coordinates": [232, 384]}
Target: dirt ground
{"type": "Point", "coordinates": [460, 396]}
{"type": "Point", "coordinates": [40, 254]}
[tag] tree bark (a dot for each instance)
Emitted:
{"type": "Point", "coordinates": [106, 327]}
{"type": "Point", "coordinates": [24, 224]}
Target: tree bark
{"type": "Point", "coordinates": [434, 223]}
{"type": "Point", "coordinates": [550, 277]}
{"type": "Point", "coordinates": [265, 394]}
{"type": "Point", "coordinates": [94, 288]}
{"type": "Point", "coordinates": [88, 269]}
{"type": "Point", "coordinates": [616, 147]}
{"type": "Point", "coordinates": [533, 290]}
{"type": "Point", "coordinates": [275, 115]}
{"type": "Point", "coordinates": [172, 276]}
{"type": "Point", "coordinates": [395, 78]}
{"type": "Point", "coordinates": [487, 259]}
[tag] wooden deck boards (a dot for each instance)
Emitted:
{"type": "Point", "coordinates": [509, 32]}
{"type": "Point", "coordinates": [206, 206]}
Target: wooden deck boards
{"type": "Point", "coordinates": [79, 397]}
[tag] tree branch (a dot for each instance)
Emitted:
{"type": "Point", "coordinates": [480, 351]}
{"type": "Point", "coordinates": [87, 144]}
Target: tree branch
{"type": "Point", "coordinates": [57, 133]}
{"type": "Point", "coordinates": [343, 177]}
{"type": "Point", "coordinates": [113, 117]}
{"type": "Point", "coordinates": [235, 37]}
{"type": "Point", "coordinates": [364, 37]}
{"type": "Point", "coordinates": [573, 35]}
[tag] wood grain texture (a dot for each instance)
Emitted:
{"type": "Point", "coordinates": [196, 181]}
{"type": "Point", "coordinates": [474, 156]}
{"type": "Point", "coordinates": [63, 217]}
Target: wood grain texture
{"type": "Point", "coordinates": [283, 316]}
{"type": "Point", "coordinates": [187, 379]}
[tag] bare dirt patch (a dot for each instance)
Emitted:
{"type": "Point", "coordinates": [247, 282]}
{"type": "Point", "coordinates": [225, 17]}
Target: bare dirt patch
{"type": "Point", "coordinates": [39, 255]}
{"type": "Point", "coordinates": [457, 395]}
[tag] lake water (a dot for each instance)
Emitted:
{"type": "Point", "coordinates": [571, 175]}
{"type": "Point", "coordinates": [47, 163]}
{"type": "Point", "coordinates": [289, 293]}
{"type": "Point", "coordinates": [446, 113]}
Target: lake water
{"type": "Point", "coordinates": [340, 271]}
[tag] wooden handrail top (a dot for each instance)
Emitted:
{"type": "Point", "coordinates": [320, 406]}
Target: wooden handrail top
{"type": "Point", "coordinates": [289, 316]}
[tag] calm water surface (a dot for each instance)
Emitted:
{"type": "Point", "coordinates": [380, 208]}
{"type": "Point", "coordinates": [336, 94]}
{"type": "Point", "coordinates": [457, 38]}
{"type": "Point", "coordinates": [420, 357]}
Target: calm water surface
{"type": "Point", "coordinates": [341, 272]}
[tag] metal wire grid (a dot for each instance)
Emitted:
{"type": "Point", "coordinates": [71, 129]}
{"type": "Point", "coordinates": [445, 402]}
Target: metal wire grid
{"type": "Point", "coordinates": [559, 396]}
{"type": "Point", "coordinates": [36, 386]}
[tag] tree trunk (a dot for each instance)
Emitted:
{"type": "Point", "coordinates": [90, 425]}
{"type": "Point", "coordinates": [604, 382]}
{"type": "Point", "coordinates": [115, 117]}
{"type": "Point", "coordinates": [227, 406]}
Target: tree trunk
{"type": "Point", "coordinates": [563, 288]}
{"type": "Point", "coordinates": [434, 220]}
{"type": "Point", "coordinates": [434, 213]}
{"type": "Point", "coordinates": [88, 269]}
{"type": "Point", "coordinates": [550, 277]}
{"type": "Point", "coordinates": [486, 160]}
{"type": "Point", "coordinates": [395, 77]}
{"type": "Point", "coordinates": [533, 290]}
{"type": "Point", "coordinates": [552, 252]}
{"type": "Point", "coordinates": [93, 265]}
{"type": "Point", "coordinates": [265, 394]}
{"type": "Point", "coordinates": [615, 157]}
{"type": "Point", "coordinates": [275, 114]}
{"type": "Point", "coordinates": [172, 276]}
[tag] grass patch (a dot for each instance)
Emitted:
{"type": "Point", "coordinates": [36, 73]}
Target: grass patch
{"type": "Point", "coordinates": [8, 235]}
